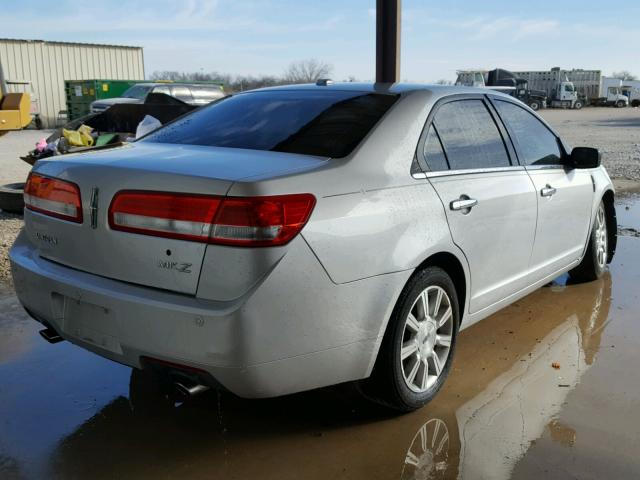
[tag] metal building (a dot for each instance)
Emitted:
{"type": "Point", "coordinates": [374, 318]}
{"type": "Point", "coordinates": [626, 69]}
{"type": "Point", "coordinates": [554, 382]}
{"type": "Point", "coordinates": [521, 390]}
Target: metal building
{"type": "Point", "coordinates": [48, 64]}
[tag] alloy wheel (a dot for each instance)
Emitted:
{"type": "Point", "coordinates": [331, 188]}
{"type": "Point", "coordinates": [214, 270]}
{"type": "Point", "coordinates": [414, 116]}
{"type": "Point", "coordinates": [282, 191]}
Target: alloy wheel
{"type": "Point", "coordinates": [601, 238]}
{"type": "Point", "coordinates": [426, 339]}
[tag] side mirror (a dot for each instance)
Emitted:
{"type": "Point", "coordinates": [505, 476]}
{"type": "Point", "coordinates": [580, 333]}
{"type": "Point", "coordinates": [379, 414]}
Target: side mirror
{"type": "Point", "coordinates": [585, 157]}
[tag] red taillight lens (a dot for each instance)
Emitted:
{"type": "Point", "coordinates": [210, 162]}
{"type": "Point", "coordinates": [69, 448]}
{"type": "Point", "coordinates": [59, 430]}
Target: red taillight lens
{"type": "Point", "coordinates": [242, 221]}
{"type": "Point", "coordinates": [53, 197]}
{"type": "Point", "coordinates": [174, 215]}
{"type": "Point", "coordinates": [262, 221]}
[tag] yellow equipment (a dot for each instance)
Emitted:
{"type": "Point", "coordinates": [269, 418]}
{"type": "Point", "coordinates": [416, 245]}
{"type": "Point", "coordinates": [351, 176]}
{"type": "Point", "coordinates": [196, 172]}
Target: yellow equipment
{"type": "Point", "coordinates": [15, 111]}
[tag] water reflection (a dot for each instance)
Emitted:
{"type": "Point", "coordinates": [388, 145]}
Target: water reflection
{"type": "Point", "coordinates": [428, 454]}
{"type": "Point", "coordinates": [501, 396]}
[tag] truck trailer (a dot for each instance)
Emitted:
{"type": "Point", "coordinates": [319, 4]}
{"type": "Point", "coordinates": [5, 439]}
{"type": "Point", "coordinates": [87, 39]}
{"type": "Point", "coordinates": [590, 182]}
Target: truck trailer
{"type": "Point", "coordinates": [503, 81]}
{"type": "Point", "coordinates": [577, 87]}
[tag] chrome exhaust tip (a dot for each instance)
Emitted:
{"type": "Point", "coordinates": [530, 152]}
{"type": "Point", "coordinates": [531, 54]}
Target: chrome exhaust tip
{"type": "Point", "coordinates": [51, 336]}
{"type": "Point", "coordinates": [190, 390]}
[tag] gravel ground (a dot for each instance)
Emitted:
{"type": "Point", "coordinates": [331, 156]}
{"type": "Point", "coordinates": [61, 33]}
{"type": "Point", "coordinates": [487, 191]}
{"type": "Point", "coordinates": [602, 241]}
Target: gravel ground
{"type": "Point", "coordinates": [616, 132]}
{"type": "Point", "coordinates": [10, 225]}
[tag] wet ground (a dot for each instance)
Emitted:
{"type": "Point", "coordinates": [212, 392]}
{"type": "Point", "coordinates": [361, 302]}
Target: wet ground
{"type": "Point", "coordinates": [504, 412]}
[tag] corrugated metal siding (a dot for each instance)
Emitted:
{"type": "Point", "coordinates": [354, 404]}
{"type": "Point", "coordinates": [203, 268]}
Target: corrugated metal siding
{"type": "Point", "coordinates": [48, 64]}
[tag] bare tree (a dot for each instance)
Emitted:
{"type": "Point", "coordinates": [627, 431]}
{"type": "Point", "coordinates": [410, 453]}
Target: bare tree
{"type": "Point", "coordinates": [307, 71]}
{"type": "Point", "coordinates": [624, 75]}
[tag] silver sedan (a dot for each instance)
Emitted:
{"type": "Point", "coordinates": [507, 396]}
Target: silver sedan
{"type": "Point", "coordinates": [286, 239]}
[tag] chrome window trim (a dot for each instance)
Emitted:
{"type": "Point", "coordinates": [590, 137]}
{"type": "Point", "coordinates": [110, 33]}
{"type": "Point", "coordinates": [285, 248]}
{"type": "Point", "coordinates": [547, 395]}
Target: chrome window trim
{"type": "Point", "coordinates": [471, 171]}
{"type": "Point", "coordinates": [546, 167]}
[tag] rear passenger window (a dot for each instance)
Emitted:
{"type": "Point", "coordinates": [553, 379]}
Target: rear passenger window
{"type": "Point", "coordinates": [433, 153]}
{"type": "Point", "coordinates": [536, 144]}
{"type": "Point", "coordinates": [469, 135]}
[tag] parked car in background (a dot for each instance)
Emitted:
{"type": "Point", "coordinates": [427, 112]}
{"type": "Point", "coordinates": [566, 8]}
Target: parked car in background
{"type": "Point", "coordinates": [290, 238]}
{"type": "Point", "coordinates": [191, 93]}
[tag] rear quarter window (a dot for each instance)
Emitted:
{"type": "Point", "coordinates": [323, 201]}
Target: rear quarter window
{"type": "Point", "coordinates": [323, 123]}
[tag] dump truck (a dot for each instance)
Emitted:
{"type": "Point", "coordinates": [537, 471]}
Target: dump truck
{"type": "Point", "coordinates": [503, 81]}
{"type": "Point", "coordinates": [575, 88]}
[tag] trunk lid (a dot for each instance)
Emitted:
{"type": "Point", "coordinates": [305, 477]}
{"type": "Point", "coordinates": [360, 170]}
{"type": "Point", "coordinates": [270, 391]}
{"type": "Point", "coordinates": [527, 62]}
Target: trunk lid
{"type": "Point", "coordinates": [158, 262]}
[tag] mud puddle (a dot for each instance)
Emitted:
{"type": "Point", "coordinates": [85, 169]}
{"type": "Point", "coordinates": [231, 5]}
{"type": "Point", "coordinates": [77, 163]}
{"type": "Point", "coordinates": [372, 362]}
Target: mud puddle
{"type": "Point", "coordinates": [504, 412]}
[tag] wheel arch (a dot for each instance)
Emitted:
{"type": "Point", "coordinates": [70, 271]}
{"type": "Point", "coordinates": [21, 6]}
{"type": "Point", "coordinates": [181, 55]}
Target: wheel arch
{"type": "Point", "coordinates": [454, 268]}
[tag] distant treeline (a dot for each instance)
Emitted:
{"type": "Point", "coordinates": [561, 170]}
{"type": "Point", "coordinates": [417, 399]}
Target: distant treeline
{"type": "Point", "coordinates": [303, 71]}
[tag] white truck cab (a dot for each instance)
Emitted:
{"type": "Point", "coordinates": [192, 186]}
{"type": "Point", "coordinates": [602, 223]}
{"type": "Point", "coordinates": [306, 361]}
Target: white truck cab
{"type": "Point", "coordinates": [611, 92]}
{"type": "Point", "coordinates": [566, 96]}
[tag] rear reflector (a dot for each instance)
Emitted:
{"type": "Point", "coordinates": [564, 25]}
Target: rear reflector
{"type": "Point", "coordinates": [53, 197]}
{"type": "Point", "coordinates": [241, 221]}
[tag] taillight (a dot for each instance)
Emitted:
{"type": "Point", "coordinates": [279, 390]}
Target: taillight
{"type": "Point", "coordinates": [261, 221]}
{"type": "Point", "coordinates": [53, 197]}
{"type": "Point", "coordinates": [241, 221]}
{"type": "Point", "coordinates": [173, 215]}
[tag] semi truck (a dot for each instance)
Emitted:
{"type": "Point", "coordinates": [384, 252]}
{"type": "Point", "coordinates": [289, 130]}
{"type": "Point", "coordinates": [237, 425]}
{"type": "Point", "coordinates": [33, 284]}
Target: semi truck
{"type": "Point", "coordinates": [556, 94]}
{"type": "Point", "coordinates": [577, 87]}
{"type": "Point", "coordinates": [504, 81]}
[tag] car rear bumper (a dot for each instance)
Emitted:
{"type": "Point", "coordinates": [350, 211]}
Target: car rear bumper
{"type": "Point", "coordinates": [272, 341]}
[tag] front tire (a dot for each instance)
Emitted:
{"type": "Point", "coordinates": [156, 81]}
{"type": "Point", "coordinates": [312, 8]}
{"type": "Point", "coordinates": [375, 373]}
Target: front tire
{"type": "Point", "coordinates": [594, 263]}
{"type": "Point", "coordinates": [578, 105]}
{"type": "Point", "coordinates": [534, 105]}
{"type": "Point", "coordinates": [417, 351]}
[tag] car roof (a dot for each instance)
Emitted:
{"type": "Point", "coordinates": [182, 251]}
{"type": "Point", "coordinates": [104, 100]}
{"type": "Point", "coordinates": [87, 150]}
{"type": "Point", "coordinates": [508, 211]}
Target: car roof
{"type": "Point", "coordinates": [386, 88]}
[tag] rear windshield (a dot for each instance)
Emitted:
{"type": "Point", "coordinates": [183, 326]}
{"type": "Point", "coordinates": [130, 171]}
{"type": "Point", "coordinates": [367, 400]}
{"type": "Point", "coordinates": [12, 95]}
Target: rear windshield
{"type": "Point", "coordinates": [323, 123]}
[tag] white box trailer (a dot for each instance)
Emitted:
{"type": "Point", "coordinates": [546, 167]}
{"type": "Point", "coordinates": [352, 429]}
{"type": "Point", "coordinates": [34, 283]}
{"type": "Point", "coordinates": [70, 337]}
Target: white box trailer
{"type": "Point", "coordinates": [590, 85]}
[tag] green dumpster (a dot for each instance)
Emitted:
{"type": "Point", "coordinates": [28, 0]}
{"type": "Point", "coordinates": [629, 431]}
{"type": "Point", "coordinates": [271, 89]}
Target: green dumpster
{"type": "Point", "coordinates": [80, 93]}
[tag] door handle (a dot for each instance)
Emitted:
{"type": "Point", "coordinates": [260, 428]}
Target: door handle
{"type": "Point", "coordinates": [463, 204]}
{"type": "Point", "coordinates": [548, 191]}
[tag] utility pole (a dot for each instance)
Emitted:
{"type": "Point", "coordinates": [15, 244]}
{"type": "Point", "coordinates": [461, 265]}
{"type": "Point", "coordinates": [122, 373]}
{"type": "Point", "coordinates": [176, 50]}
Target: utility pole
{"type": "Point", "coordinates": [388, 29]}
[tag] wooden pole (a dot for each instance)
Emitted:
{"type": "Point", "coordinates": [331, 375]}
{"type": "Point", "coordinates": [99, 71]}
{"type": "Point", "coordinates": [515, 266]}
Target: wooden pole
{"type": "Point", "coordinates": [388, 40]}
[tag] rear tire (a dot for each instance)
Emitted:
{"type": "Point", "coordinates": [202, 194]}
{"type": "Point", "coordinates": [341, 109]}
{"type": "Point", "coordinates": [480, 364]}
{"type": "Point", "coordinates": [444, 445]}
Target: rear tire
{"type": "Point", "coordinates": [418, 347]}
{"type": "Point", "coordinates": [594, 263]}
{"type": "Point", "coordinates": [11, 200]}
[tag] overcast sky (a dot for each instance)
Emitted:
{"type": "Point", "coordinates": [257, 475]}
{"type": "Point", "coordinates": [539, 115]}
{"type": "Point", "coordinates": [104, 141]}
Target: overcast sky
{"type": "Point", "coordinates": [263, 37]}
